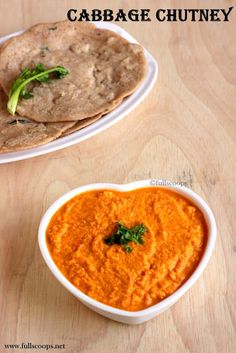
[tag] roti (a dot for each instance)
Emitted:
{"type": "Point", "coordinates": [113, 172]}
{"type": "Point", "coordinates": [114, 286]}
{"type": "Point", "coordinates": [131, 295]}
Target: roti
{"type": "Point", "coordinates": [81, 124]}
{"type": "Point", "coordinates": [19, 133]}
{"type": "Point", "coordinates": [86, 122]}
{"type": "Point", "coordinates": [103, 68]}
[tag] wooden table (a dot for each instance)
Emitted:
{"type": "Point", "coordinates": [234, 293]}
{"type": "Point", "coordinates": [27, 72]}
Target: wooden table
{"type": "Point", "coordinates": [183, 131]}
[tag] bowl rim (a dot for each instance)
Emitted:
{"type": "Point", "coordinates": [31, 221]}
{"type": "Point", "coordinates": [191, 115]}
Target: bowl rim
{"type": "Point", "coordinates": [165, 303]}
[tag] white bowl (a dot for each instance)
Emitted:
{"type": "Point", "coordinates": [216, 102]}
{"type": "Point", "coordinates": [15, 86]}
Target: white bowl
{"type": "Point", "coordinates": [129, 317]}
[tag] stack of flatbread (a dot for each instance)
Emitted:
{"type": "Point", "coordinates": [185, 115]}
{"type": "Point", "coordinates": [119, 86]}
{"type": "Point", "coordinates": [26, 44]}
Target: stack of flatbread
{"type": "Point", "coordinates": [104, 68]}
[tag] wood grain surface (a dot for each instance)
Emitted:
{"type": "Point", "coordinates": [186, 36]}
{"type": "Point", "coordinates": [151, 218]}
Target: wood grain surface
{"type": "Point", "coordinates": [183, 131]}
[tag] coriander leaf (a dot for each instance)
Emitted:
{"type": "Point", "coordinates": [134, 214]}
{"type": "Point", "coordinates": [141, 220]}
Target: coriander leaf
{"type": "Point", "coordinates": [61, 72]}
{"type": "Point", "coordinates": [40, 74]}
{"type": "Point", "coordinates": [44, 78]}
{"type": "Point", "coordinates": [128, 248]}
{"type": "Point", "coordinates": [21, 121]}
{"type": "Point", "coordinates": [27, 95]}
{"type": "Point", "coordinates": [124, 235]}
{"type": "Point", "coordinates": [23, 76]}
{"type": "Point", "coordinates": [110, 240]}
{"type": "Point", "coordinates": [38, 69]}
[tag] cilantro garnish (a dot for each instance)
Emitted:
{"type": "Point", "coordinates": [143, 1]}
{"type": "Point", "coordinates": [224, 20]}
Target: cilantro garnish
{"type": "Point", "coordinates": [18, 121]}
{"type": "Point", "coordinates": [40, 74]}
{"type": "Point", "coordinates": [124, 236]}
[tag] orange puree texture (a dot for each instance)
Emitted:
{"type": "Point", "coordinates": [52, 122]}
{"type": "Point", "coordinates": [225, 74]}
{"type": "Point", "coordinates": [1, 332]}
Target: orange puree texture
{"type": "Point", "coordinates": [173, 245]}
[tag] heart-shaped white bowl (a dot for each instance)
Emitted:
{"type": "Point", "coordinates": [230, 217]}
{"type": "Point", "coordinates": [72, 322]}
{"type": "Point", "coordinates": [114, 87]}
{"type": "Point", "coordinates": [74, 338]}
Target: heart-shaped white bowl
{"type": "Point", "coordinates": [129, 317]}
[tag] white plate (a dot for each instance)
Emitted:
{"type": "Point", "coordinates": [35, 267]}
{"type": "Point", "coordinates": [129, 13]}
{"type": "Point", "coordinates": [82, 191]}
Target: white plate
{"type": "Point", "coordinates": [129, 317]}
{"type": "Point", "coordinates": [108, 120]}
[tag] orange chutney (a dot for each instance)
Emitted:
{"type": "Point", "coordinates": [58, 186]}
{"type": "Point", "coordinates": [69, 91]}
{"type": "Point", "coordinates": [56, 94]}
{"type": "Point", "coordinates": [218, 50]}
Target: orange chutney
{"type": "Point", "coordinates": [173, 245]}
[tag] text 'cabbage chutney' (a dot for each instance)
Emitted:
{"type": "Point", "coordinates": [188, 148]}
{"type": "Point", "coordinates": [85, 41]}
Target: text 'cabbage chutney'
{"type": "Point", "coordinates": [130, 249]}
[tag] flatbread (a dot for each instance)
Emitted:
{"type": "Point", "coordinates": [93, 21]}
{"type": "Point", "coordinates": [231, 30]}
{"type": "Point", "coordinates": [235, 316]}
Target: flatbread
{"type": "Point", "coordinates": [19, 133]}
{"type": "Point", "coordinates": [88, 121]}
{"type": "Point", "coordinates": [81, 124]}
{"type": "Point", "coordinates": [103, 68]}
